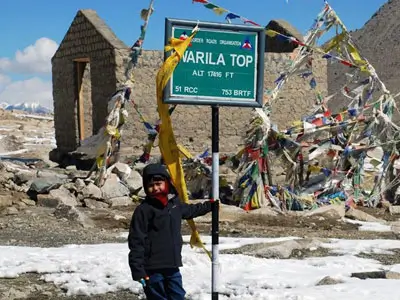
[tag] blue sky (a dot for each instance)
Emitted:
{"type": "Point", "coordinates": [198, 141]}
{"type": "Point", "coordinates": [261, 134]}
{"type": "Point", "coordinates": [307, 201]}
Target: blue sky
{"type": "Point", "coordinates": [23, 22]}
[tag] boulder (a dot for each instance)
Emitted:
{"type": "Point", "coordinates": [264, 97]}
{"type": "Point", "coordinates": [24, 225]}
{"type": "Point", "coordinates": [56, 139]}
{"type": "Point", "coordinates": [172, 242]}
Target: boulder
{"type": "Point", "coordinates": [94, 204]}
{"type": "Point", "coordinates": [376, 275]}
{"type": "Point", "coordinates": [394, 210]}
{"type": "Point", "coordinates": [122, 170]}
{"type": "Point", "coordinates": [92, 191]}
{"type": "Point", "coordinates": [57, 197]}
{"type": "Point", "coordinates": [333, 211]}
{"type": "Point", "coordinates": [280, 250]}
{"type": "Point", "coordinates": [10, 211]}
{"type": "Point", "coordinates": [359, 215]}
{"type": "Point", "coordinates": [120, 201]}
{"type": "Point", "coordinates": [5, 201]}
{"type": "Point", "coordinates": [23, 176]}
{"type": "Point", "coordinates": [28, 202]}
{"type": "Point", "coordinates": [73, 214]}
{"type": "Point", "coordinates": [135, 180]}
{"type": "Point", "coordinates": [44, 185]}
{"type": "Point", "coordinates": [80, 184]}
{"type": "Point", "coordinates": [51, 174]}
{"type": "Point", "coordinates": [113, 188]}
{"type": "Point", "coordinates": [64, 196]}
{"type": "Point", "coordinates": [329, 281]}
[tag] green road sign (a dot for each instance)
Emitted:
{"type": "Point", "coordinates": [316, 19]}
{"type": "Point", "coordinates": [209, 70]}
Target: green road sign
{"type": "Point", "coordinates": [224, 65]}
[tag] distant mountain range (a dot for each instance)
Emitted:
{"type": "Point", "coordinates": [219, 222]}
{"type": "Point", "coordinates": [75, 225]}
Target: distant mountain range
{"type": "Point", "coordinates": [34, 108]}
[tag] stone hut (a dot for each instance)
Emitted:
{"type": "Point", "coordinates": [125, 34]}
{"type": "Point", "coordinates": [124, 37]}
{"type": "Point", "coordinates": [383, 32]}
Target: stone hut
{"type": "Point", "coordinates": [87, 68]}
{"type": "Point", "coordinates": [275, 45]}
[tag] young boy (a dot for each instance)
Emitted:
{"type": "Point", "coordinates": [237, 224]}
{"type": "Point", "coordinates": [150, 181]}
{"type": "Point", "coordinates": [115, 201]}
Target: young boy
{"type": "Point", "coordinates": [155, 239]}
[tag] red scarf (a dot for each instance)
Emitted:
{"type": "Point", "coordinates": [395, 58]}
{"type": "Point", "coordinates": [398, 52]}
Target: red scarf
{"type": "Point", "coordinates": [162, 196]}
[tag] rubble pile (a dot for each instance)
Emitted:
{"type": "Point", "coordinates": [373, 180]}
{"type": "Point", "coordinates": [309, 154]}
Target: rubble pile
{"type": "Point", "coordinates": [53, 187]}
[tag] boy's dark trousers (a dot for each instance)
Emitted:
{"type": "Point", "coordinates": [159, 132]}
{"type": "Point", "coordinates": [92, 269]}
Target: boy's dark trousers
{"type": "Point", "coordinates": [164, 284]}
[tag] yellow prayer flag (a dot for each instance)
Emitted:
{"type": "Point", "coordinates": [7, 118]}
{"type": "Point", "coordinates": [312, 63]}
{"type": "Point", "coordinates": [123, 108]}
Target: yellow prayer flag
{"type": "Point", "coordinates": [271, 33]}
{"type": "Point", "coordinates": [167, 143]}
{"type": "Point", "coordinates": [219, 10]}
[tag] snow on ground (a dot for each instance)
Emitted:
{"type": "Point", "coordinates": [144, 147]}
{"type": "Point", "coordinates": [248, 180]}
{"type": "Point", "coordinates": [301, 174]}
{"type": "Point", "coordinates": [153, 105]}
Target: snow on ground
{"type": "Point", "coordinates": [94, 269]}
{"type": "Point", "coordinates": [370, 226]}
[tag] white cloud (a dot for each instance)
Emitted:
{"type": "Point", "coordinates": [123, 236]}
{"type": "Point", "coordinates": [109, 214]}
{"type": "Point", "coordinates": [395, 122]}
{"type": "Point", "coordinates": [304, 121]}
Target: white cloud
{"type": "Point", "coordinates": [33, 59]}
{"type": "Point", "coordinates": [4, 81]}
{"type": "Point", "coordinates": [33, 90]}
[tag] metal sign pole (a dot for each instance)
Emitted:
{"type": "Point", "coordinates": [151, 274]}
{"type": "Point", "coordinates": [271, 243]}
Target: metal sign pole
{"type": "Point", "coordinates": [215, 197]}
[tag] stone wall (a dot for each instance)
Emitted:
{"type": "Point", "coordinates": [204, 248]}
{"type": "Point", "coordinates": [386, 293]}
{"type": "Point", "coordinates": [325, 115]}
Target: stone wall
{"type": "Point", "coordinates": [192, 124]}
{"type": "Point", "coordinates": [81, 41]}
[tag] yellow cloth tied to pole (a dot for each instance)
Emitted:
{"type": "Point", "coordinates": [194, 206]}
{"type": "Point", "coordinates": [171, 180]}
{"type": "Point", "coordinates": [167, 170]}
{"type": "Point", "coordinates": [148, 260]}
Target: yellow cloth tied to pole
{"type": "Point", "coordinates": [167, 143]}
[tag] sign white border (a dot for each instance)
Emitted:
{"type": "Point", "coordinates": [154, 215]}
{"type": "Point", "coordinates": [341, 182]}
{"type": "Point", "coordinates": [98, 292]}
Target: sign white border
{"type": "Point", "coordinates": [170, 98]}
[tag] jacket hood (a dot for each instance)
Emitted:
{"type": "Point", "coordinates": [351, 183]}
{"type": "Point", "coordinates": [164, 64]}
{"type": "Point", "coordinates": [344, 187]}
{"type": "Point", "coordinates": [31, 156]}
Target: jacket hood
{"type": "Point", "coordinates": [154, 169]}
{"type": "Point", "coordinates": [157, 169]}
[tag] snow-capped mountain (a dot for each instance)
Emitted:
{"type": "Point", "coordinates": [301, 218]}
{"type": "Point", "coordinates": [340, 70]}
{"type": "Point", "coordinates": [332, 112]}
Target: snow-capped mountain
{"type": "Point", "coordinates": [35, 108]}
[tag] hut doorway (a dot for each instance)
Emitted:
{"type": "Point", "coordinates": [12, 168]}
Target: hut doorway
{"type": "Point", "coordinates": [84, 106]}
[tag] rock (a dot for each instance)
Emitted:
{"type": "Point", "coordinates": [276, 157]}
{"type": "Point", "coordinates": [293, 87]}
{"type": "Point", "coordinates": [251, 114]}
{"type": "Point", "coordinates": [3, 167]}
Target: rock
{"type": "Point", "coordinates": [135, 180]}
{"type": "Point", "coordinates": [47, 201]}
{"type": "Point", "coordinates": [23, 176]}
{"type": "Point", "coordinates": [14, 187]}
{"type": "Point", "coordinates": [93, 204]}
{"type": "Point", "coordinates": [92, 191]}
{"type": "Point", "coordinates": [63, 196]}
{"type": "Point", "coordinates": [73, 214]}
{"type": "Point", "coordinates": [333, 211]}
{"type": "Point", "coordinates": [113, 188]}
{"type": "Point", "coordinates": [139, 166]}
{"type": "Point", "coordinates": [71, 168]}
{"type": "Point", "coordinates": [10, 211]}
{"type": "Point", "coordinates": [392, 275]}
{"type": "Point", "coordinates": [70, 186]}
{"type": "Point", "coordinates": [141, 193]}
{"type": "Point", "coordinates": [281, 250]}
{"type": "Point", "coordinates": [13, 293]}
{"type": "Point", "coordinates": [56, 197]}
{"type": "Point", "coordinates": [44, 185]}
{"type": "Point", "coordinates": [80, 184]}
{"type": "Point", "coordinates": [278, 251]}
{"type": "Point", "coordinates": [21, 205]}
{"type": "Point", "coordinates": [5, 201]}
{"type": "Point", "coordinates": [329, 281]}
{"type": "Point", "coordinates": [122, 170]}
{"type": "Point", "coordinates": [51, 174]}
{"type": "Point", "coordinates": [376, 275]}
{"type": "Point", "coordinates": [395, 227]}
{"type": "Point", "coordinates": [11, 167]}
{"type": "Point", "coordinates": [359, 215]}
{"type": "Point", "coordinates": [120, 201]}
{"type": "Point", "coordinates": [5, 177]}
{"type": "Point", "coordinates": [394, 210]}
{"type": "Point", "coordinates": [28, 202]}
